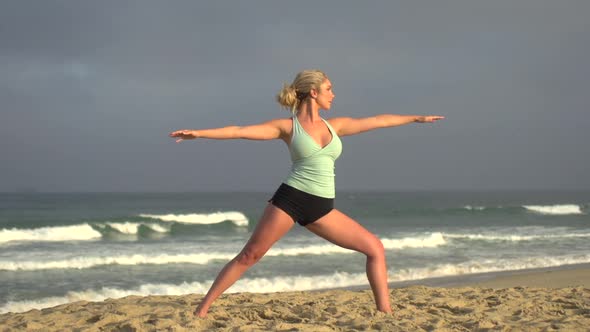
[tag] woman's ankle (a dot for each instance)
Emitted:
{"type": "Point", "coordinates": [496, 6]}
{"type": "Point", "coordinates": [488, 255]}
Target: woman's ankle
{"type": "Point", "coordinates": [385, 309]}
{"type": "Point", "coordinates": [200, 314]}
{"type": "Point", "coordinates": [201, 311]}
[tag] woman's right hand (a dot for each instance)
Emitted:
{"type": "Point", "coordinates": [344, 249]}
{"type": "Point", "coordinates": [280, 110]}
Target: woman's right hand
{"type": "Point", "coordinates": [183, 134]}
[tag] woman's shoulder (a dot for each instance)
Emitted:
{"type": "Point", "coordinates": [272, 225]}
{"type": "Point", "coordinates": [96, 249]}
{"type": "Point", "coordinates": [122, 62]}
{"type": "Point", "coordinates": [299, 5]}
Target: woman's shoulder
{"type": "Point", "coordinates": [336, 123]}
{"type": "Point", "coordinates": [283, 123]}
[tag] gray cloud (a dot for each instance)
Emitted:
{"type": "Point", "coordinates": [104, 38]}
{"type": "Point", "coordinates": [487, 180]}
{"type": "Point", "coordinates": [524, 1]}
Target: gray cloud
{"type": "Point", "coordinates": [91, 89]}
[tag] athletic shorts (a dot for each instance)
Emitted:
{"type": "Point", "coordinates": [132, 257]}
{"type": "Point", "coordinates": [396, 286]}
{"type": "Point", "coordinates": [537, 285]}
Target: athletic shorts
{"type": "Point", "coordinates": [304, 208]}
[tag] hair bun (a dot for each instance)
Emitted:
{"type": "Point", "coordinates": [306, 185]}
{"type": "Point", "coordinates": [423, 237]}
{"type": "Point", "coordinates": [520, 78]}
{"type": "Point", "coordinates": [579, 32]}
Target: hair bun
{"type": "Point", "coordinates": [287, 97]}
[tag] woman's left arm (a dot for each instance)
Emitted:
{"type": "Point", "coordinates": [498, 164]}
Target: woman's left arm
{"type": "Point", "coordinates": [352, 126]}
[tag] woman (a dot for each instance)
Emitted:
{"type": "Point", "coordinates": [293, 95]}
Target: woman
{"type": "Point", "coordinates": [307, 195]}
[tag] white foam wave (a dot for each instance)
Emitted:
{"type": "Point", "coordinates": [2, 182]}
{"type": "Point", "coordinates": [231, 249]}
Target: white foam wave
{"type": "Point", "coordinates": [514, 238]}
{"type": "Point", "coordinates": [434, 240]}
{"type": "Point", "coordinates": [562, 209]}
{"type": "Point", "coordinates": [82, 232]}
{"type": "Point", "coordinates": [158, 228]}
{"type": "Point", "coordinates": [474, 208]}
{"type": "Point", "coordinates": [125, 228]}
{"type": "Point", "coordinates": [237, 218]}
{"type": "Point", "coordinates": [133, 228]}
{"type": "Point", "coordinates": [299, 283]}
{"type": "Point", "coordinates": [488, 265]}
{"type": "Point", "coordinates": [88, 262]}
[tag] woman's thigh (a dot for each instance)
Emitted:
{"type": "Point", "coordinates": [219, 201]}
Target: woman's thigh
{"type": "Point", "coordinates": [345, 232]}
{"type": "Point", "coordinates": [272, 226]}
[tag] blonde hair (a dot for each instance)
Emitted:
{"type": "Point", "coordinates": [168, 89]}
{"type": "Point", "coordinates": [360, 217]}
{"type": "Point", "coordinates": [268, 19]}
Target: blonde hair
{"type": "Point", "coordinates": [292, 95]}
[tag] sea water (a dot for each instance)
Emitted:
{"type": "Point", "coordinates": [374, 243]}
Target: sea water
{"type": "Point", "coordinates": [62, 247]}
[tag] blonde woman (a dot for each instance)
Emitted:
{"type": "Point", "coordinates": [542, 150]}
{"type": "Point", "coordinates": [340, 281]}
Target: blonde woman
{"type": "Point", "coordinates": [307, 194]}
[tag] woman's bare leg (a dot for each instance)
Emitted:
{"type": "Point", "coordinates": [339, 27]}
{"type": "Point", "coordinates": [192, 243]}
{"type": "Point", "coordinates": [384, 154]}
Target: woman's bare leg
{"type": "Point", "coordinates": [343, 231]}
{"type": "Point", "coordinates": [273, 224]}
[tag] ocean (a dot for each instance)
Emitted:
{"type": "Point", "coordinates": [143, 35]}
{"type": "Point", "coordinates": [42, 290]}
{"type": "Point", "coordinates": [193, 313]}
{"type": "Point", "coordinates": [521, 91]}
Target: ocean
{"type": "Point", "coordinates": [63, 247]}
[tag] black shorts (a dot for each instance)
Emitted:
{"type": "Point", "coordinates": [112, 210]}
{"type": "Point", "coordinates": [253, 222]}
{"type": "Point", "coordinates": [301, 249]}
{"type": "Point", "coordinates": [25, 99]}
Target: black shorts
{"type": "Point", "coordinates": [304, 208]}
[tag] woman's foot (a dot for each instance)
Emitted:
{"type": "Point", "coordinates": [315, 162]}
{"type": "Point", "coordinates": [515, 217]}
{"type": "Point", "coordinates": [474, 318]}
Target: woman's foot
{"type": "Point", "coordinates": [200, 313]}
{"type": "Point", "coordinates": [387, 311]}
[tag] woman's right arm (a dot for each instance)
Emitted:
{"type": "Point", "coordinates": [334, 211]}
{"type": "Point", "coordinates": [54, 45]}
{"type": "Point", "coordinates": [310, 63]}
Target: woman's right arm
{"type": "Point", "coordinates": [272, 129]}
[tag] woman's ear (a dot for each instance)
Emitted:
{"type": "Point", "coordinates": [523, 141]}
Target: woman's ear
{"type": "Point", "coordinates": [313, 93]}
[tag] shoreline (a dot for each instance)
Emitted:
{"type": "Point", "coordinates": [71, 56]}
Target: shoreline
{"type": "Point", "coordinates": [532, 299]}
{"type": "Point", "coordinates": [534, 277]}
{"type": "Point", "coordinates": [563, 276]}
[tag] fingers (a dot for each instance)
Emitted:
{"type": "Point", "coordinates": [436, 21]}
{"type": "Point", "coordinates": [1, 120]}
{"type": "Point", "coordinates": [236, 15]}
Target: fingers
{"type": "Point", "coordinates": [177, 133]}
{"type": "Point", "coordinates": [183, 134]}
{"type": "Point", "coordinates": [434, 118]}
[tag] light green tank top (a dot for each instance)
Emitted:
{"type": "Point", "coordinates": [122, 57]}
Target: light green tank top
{"type": "Point", "coordinates": [313, 166]}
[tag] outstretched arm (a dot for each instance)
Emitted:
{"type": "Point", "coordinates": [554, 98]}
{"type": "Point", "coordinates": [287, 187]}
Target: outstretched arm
{"type": "Point", "coordinates": [352, 126]}
{"type": "Point", "coordinates": [264, 131]}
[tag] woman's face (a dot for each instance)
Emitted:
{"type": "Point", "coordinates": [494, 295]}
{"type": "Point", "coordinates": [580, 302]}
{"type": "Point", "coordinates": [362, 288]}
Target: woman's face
{"type": "Point", "coordinates": [325, 95]}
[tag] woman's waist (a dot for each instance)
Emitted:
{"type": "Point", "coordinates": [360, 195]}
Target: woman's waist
{"type": "Point", "coordinates": [322, 187]}
{"type": "Point", "coordinates": [314, 171]}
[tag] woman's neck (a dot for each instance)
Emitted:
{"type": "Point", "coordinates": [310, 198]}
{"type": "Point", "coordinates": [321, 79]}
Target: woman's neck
{"type": "Point", "coordinates": [309, 111]}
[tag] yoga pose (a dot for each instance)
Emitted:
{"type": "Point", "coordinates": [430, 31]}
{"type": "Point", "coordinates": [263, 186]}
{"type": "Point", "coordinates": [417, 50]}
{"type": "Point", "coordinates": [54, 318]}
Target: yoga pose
{"type": "Point", "coordinates": [307, 194]}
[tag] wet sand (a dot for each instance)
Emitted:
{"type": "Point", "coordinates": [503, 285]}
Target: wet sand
{"type": "Point", "coordinates": [532, 300]}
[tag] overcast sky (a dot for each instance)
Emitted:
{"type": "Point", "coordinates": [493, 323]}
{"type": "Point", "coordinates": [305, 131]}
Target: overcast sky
{"type": "Point", "coordinates": [89, 91]}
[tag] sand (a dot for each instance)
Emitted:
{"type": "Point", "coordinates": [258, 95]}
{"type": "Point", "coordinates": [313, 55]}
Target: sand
{"type": "Point", "coordinates": [534, 300]}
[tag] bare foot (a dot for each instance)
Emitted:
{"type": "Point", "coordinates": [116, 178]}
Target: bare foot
{"type": "Point", "coordinates": [383, 314]}
{"type": "Point", "coordinates": [386, 311]}
{"type": "Point", "coordinates": [200, 313]}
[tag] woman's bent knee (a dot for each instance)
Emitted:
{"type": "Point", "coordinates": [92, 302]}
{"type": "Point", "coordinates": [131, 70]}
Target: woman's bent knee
{"type": "Point", "coordinates": [250, 256]}
{"type": "Point", "coordinates": [377, 250]}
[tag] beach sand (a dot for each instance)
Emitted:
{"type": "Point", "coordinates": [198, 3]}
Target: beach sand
{"type": "Point", "coordinates": [533, 300]}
